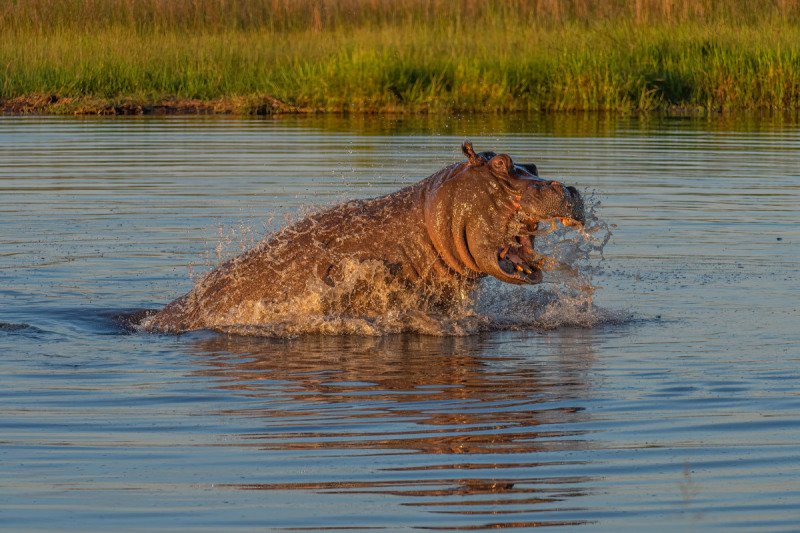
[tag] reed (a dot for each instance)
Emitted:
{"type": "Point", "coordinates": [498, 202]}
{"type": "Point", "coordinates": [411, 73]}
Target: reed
{"type": "Point", "coordinates": [412, 56]}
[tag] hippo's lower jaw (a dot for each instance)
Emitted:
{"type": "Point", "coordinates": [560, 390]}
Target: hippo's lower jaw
{"type": "Point", "coordinates": [521, 260]}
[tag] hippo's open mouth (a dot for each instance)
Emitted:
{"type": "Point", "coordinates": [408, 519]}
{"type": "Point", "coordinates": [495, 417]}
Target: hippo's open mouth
{"type": "Point", "coordinates": [518, 258]}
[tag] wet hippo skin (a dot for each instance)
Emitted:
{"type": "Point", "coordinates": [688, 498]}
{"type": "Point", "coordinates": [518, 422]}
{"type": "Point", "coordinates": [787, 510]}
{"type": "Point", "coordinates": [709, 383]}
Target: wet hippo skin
{"type": "Point", "coordinates": [434, 239]}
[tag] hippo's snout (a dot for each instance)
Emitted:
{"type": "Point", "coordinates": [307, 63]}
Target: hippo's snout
{"type": "Point", "coordinates": [543, 200]}
{"type": "Point", "coordinates": [575, 201]}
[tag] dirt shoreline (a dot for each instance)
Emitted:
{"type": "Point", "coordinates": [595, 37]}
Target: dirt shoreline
{"type": "Point", "coordinates": [265, 105]}
{"type": "Point", "coordinates": [54, 104]}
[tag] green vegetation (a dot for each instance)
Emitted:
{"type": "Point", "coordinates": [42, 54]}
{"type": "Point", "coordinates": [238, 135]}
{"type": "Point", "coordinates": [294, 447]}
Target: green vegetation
{"type": "Point", "coordinates": [249, 56]}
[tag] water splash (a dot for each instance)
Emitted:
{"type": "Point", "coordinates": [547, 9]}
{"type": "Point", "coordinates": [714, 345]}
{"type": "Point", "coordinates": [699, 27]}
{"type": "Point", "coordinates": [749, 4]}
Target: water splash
{"type": "Point", "coordinates": [367, 298]}
{"type": "Point", "coordinates": [571, 259]}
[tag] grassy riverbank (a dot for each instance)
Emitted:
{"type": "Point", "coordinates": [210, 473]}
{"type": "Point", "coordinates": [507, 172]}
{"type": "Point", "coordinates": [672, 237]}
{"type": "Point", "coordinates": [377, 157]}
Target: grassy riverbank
{"type": "Point", "coordinates": [237, 56]}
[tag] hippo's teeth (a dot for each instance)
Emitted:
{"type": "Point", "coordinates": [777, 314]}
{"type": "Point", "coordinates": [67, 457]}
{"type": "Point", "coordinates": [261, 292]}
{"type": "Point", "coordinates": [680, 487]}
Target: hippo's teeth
{"type": "Point", "coordinates": [527, 270]}
{"type": "Point", "coordinates": [503, 253]}
{"type": "Point", "coordinates": [518, 267]}
{"type": "Point", "coordinates": [507, 267]}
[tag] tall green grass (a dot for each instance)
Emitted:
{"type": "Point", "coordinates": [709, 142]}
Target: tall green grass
{"type": "Point", "coordinates": [417, 56]}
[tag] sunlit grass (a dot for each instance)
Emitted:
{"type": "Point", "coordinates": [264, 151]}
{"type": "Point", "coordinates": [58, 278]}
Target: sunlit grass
{"type": "Point", "coordinates": [403, 61]}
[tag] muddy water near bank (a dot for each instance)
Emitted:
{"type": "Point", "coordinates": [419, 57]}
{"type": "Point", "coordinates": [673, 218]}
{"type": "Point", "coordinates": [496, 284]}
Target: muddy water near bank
{"type": "Point", "coordinates": [683, 415]}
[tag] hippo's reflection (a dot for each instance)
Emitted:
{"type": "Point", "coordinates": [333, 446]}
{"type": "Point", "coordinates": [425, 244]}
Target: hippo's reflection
{"type": "Point", "coordinates": [427, 394]}
{"type": "Point", "coordinates": [469, 418]}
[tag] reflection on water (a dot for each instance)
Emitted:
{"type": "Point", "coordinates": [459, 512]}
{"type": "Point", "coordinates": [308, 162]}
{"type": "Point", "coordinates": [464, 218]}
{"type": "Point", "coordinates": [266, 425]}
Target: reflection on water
{"type": "Point", "coordinates": [571, 125]}
{"type": "Point", "coordinates": [672, 405]}
{"type": "Point", "coordinates": [462, 417]}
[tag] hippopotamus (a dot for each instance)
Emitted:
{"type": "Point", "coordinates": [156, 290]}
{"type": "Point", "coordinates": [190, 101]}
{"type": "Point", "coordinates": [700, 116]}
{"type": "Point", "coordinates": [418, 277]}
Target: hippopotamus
{"type": "Point", "coordinates": [434, 239]}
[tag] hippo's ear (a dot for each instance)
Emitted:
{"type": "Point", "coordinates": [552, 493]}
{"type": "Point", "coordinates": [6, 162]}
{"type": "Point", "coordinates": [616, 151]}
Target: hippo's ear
{"type": "Point", "coordinates": [474, 159]}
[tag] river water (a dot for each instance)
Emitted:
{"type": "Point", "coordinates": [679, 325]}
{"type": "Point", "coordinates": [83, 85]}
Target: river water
{"type": "Point", "coordinates": [678, 408]}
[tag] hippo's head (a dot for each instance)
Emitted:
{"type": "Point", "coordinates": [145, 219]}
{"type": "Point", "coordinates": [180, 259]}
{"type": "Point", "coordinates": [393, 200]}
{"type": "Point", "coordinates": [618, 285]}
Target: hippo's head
{"type": "Point", "coordinates": [483, 215]}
